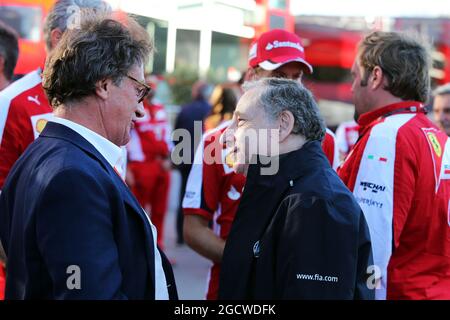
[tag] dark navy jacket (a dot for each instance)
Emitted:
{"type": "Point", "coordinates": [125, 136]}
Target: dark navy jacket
{"type": "Point", "coordinates": [298, 234]}
{"type": "Point", "coordinates": [63, 205]}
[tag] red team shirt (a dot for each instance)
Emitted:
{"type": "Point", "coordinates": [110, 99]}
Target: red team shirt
{"type": "Point", "coordinates": [399, 172]}
{"type": "Point", "coordinates": [213, 190]}
{"type": "Point", "coordinates": [153, 135]}
{"type": "Point", "coordinates": [24, 111]}
{"type": "Point", "coordinates": [347, 134]}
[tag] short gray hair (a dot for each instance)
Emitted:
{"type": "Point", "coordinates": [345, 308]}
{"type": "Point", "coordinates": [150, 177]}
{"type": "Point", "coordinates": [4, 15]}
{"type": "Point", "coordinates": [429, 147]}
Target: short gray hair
{"type": "Point", "coordinates": [442, 90]}
{"type": "Point", "coordinates": [61, 12]}
{"type": "Point", "coordinates": [278, 95]}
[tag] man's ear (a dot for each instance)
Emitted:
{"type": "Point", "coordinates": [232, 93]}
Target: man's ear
{"type": "Point", "coordinates": [102, 88]}
{"type": "Point", "coordinates": [287, 121]}
{"type": "Point", "coordinates": [377, 78]}
{"type": "Point", "coordinates": [250, 74]}
{"type": "Point", "coordinates": [55, 36]}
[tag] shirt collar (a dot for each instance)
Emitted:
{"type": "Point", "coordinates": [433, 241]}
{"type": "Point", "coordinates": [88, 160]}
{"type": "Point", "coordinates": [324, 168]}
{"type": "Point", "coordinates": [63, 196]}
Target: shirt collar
{"type": "Point", "coordinates": [368, 117]}
{"type": "Point", "coordinates": [112, 153]}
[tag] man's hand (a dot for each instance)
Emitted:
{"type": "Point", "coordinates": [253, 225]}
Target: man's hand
{"type": "Point", "coordinates": [202, 239]}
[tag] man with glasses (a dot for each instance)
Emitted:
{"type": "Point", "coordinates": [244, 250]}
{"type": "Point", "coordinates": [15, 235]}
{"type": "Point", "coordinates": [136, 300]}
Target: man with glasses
{"type": "Point", "coordinates": [441, 107]}
{"type": "Point", "coordinates": [24, 108]}
{"type": "Point", "coordinates": [142, 89]}
{"type": "Point", "coordinates": [70, 225]}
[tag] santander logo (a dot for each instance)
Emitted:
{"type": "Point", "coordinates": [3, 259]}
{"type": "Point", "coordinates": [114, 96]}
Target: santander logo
{"type": "Point", "coordinates": [284, 44]}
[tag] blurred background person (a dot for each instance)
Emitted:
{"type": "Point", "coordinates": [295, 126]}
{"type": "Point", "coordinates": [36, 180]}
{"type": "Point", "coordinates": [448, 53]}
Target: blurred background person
{"type": "Point", "coordinates": [148, 160]}
{"type": "Point", "coordinates": [346, 136]}
{"type": "Point", "coordinates": [223, 101]}
{"type": "Point", "coordinates": [286, 60]}
{"type": "Point", "coordinates": [9, 52]}
{"type": "Point", "coordinates": [197, 110]}
{"type": "Point", "coordinates": [441, 108]}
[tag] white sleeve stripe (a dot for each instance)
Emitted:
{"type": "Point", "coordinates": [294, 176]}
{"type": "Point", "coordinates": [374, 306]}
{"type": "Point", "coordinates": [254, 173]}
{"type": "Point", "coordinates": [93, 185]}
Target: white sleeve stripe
{"type": "Point", "coordinates": [374, 190]}
{"type": "Point", "coordinates": [193, 196]}
{"type": "Point", "coordinates": [335, 150]}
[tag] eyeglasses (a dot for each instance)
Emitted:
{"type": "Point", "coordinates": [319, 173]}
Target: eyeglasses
{"type": "Point", "coordinates": [143, 91]}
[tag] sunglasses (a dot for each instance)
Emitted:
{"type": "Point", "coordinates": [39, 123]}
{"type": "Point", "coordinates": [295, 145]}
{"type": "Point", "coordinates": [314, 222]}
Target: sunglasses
{"type": "Point", "coordinates": [143, 91]}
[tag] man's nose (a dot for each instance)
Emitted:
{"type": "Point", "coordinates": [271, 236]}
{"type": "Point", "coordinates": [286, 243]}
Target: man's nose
{"type": "Point", "coordinates": [140, 112]}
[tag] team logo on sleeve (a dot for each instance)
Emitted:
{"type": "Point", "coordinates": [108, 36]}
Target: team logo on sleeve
{"type": "Point", "coordinates": [34, 99]}
{"type": "Point", "coordinates": [40, 125]}
{"type": "Point", "coordinates": [39, 121]}
{"type": "Point", "coordinates": [434, 143]}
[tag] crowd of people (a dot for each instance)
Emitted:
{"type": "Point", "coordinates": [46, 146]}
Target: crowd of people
{"type": "Point", "coordinates": [282, 207]}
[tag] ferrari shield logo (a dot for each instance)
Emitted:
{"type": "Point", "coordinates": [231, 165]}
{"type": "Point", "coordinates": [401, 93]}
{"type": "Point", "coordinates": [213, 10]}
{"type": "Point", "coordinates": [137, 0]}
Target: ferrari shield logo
{"type": "Point", "coordinates": [435, 143]}
{"type": "Point", "coordinates": [40, 125]}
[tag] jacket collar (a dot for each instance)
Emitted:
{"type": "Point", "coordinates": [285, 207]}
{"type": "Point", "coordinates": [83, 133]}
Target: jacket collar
{"type": "Point", "coordinates": [290, 165]}
{"type": "Point", "coordinates": [112, 153]}
{"type": "Point", "coordinates": [59, 131]}
{"type": "Point", "coordinates": [400, 107]}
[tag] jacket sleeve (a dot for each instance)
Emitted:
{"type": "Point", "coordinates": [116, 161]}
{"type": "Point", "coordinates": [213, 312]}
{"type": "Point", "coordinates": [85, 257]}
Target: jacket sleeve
{"type": "Point", "coordinates": [75, 236]}
{"type": "Point", "coordinates": [365, 273]}
{"type": "Point", "coordinates": [317, 251]}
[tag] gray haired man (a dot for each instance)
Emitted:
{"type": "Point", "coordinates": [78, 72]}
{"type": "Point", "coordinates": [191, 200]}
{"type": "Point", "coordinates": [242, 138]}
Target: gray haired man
{"type": "Point", "coordinates": [441, 107]}
{"type": "Point", "coordinates": [298, 233]}
{"type": "Point", "coordinates": [9, 52]}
